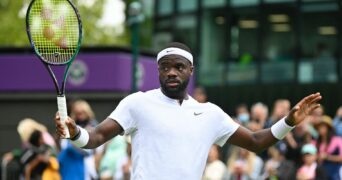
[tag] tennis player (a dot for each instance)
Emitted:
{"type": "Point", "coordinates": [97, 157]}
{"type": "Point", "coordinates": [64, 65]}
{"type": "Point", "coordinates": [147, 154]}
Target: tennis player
{"type": "Point", "coordinates": [171, 132]}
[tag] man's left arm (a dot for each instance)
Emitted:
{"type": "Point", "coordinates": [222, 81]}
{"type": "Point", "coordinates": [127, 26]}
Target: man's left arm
{"type": "Point", "coordinates": [260, 140]}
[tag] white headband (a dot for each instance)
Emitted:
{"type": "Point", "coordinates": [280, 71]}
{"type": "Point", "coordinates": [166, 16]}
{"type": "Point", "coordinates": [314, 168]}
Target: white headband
{"type": "Point", "coordinates": [176, 51]}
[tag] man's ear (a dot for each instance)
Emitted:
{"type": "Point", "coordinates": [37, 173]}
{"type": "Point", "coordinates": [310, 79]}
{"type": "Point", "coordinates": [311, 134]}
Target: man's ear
{"type": "Point", "coordinates": [192, 69]}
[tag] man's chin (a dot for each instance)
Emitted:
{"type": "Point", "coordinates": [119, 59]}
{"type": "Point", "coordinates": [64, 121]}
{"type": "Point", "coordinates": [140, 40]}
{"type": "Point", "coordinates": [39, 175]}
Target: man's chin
{"type": "Point", "coordinates": [172, 91]}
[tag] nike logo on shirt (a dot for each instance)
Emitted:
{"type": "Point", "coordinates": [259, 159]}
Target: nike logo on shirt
{"type": "Point", "coordinates": [199, 113]}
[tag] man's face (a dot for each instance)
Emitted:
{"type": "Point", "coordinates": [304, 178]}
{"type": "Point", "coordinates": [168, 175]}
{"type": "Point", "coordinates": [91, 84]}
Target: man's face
{"type": "Point", "coordinates": [174, 75]}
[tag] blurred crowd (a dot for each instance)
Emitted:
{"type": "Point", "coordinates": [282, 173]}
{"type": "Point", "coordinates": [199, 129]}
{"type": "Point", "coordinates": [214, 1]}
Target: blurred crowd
{"type": "Point", "coordinates": [313, 150]}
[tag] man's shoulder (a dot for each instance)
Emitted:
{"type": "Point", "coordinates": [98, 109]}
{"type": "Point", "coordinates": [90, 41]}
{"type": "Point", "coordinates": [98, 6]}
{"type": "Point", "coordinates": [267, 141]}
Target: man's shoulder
{"type": "Point", "coordinates": [140, 95]}
{"type": "Point", "coordinates": [212, 106]}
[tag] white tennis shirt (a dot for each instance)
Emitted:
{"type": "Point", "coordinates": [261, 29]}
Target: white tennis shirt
{"type": "Point", "coordinates": [171, 141]}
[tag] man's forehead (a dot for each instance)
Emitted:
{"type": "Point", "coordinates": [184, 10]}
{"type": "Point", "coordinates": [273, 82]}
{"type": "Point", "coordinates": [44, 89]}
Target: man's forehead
{"type": "Point", "coordinates": [174, 58]}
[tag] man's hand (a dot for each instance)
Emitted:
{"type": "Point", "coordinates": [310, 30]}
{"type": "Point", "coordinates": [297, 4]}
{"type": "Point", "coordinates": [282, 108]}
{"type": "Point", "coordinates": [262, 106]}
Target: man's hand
{"type": "Point", "coordinates": [73, 130]}
{"type": "Point", "coordinates": [302, 109]}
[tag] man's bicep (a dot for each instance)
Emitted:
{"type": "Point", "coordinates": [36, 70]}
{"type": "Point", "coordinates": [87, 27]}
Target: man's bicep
{"type": "Point", "coordinates": [108, 129]}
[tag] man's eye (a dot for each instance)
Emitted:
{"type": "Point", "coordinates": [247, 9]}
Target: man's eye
{"type": "Point", "coordinates": [180, 68]}
{"type": "Point", "coordinates": [164, 68]}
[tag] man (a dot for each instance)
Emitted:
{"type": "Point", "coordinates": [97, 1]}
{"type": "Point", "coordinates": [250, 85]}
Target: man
{"type": "Point", "coordinates": [171, 132]}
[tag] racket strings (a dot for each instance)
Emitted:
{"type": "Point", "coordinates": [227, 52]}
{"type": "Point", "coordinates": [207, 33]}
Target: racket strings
{"type": "Point", "coordinates": [54, 28]}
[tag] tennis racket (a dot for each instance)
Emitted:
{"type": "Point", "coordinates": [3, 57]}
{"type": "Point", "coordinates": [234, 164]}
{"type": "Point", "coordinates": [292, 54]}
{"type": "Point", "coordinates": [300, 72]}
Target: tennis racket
{"type": "Point", "coordinates": [54, 29]}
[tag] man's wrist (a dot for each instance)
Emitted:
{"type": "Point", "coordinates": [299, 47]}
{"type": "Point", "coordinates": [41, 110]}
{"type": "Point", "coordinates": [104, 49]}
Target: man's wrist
{"type": "Point", "coordinates": [82, 139]}
{"type": "Point", "coordinates": [281, 128]}
{"type": "Point", "coordinates": [77, 135]}
{"type": "Point", "coordinates": [289, 122]}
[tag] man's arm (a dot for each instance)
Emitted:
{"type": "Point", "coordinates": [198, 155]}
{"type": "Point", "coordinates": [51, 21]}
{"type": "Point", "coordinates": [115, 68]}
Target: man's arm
{"type": "Point", "coordinates": [260, 140]}
{"type": "Point", "coordinates": [103, 132]}
{"type": "Point", "coordinates": [252, 141]}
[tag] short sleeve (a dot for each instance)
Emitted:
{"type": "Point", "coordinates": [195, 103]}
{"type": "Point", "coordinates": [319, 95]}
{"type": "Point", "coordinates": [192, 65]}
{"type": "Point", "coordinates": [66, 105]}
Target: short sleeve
{"type": "Point", "coordinates": [225, 128]}
{"type": "Point", "coordinates": [123, 113]}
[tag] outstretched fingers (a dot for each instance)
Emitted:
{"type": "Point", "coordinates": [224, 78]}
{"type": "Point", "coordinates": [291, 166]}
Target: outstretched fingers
{"type": "Point", "coordinates": [316, 97]}
{"type": "Point", "coordinates": [308, 100]}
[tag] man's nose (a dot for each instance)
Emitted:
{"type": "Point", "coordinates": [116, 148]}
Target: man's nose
{"type": "Point", "coordinates": [172, 72]}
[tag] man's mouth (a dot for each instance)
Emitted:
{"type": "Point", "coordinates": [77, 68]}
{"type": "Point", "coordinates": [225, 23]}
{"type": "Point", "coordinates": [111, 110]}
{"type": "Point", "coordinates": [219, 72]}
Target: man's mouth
{"type": "Point", "coordinates": [172, 83]}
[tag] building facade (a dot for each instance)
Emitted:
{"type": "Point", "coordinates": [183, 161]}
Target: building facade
{"type": "Point", "coordinates": [248, 42]}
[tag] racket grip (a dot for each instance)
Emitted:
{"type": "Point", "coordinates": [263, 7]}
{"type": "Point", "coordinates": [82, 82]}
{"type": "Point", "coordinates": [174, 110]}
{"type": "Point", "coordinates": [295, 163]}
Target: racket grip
{"type": "Point", "coordinates": [63, 113]}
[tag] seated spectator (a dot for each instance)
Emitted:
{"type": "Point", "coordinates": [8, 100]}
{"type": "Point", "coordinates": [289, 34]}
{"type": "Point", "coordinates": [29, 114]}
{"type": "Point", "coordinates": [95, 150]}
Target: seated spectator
{"type": "Point", "coordinates": [77, 163]}
{"type": "Point", "coordinates": [242, 114]}
{"type": "Point", "coordinates": [244, 164]}
{"type": "Point", "coordinates": [124, 165]}
{"type": "Point", "coordinates": [114, 150]}
{"type": "Point", "coordinates": [294, 142]}
{"type": "Point", "coordinates": [310, 168]}
{"type": "Point", "coordinates": [338, 121]}
{"type": "Point", "coordinates": [35, 142]}
{"type": "Point", "coordinates": [200, 94]}
{"type": "Point", "coordinates": [215, 168]}
{"type": "Point", "coordinates": [281, 108]}
{"type": "Point", "coordinates": [259, 114]}
{"type": "Point", "coordinates": [329, 148]}
{"type": "Point", "coordinates": [277, 166]}
{"type": "Point", "coordinates": [27, 126]}
{"type": "Point", "coordinates": [37, 160]}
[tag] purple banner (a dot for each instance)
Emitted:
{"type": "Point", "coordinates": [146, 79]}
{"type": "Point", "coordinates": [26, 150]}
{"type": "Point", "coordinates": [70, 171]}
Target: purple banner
{"type": "Point", "coordinates": [110, 71]}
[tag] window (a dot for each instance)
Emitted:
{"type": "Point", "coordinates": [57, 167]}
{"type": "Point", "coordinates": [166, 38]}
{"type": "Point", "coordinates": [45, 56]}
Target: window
{"type": "Point", "coordinates": [214, 3]}
{"type": "Point", "coordinates": [240, 3]}
{"type": "Point", "coordinates": [242, 67]}
{"type": "Point", "coordinates": [186, 30]}
{"type": "Point", "coordinates": [319, 38]}
{"type": "Point", "coordinates": [213, 47]}
{"type": "Point", "coordinates": [278, 43]}
{"type": "Point", "coordinates": [165, 7]}
{"type": "Point", "coordinates": [188, 5]}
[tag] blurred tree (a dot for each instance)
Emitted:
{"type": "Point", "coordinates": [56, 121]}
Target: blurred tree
{"type": "Point", "coordinates": [96, 15]}
{"type": "Point", "coordinates": [97, 29]}
{"type": "Point", "coordinates": [12, 31]}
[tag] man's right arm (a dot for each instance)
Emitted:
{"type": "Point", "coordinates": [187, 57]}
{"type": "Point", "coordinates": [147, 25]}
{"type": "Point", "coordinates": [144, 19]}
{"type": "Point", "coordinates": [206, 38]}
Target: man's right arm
{"type": "Point", "coordinates": [103, 132]}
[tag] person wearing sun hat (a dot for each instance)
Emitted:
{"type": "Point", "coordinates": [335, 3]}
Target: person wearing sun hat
{"type": "Point", "coordinates": [329, 147]}
{"type": "Point", "coordinates": [310, 168]}
{"type": "Point", "coordinates": [325, 120]}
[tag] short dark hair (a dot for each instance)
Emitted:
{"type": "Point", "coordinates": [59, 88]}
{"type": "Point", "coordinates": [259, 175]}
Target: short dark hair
{"type": "Point", "coordinates": [179, 45]}
{"type": "Point", "coordinates": [34, 138]}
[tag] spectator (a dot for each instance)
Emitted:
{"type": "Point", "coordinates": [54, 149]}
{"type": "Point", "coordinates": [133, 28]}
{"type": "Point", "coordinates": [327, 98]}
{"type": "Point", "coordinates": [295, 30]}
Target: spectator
{"type": "Point", "coordinates": [295, 140]}
{"type": "Point", "coordinates": [124, 165]}
{"type": "Point", "coordinates": [338, 121]}
{"type": "Point", "coordinates": [114, 150]}
{"type": "Point", "coordinates": [13, 161]}
{"type": "Point", "coordinates": [313, 119]}
{"type": "Point", "coordinates": [277, 166]}
{"type": "Point", "coordinates": [281, 108]}
{"type": "Point", "coordinates": [215, 168]}
{"type": "Point", "coordinates": [27, 126]}
{"type": "Point", "coordinates": [244, 164]}
{"type": "Point", "coordinates": [329, 148]}
{"type": "Point", "coordinates": [242, 114]}
{"type": "Point", "coordinates": [37, 160]}
{"type": "Point", "coordinates": [310, 168]}
{"type": "Point", "coordinates": [200, 94]}
{"type": "Point", "coordinates": [259, 114]}
{"type": "Point", "coordinates": [77, 163]}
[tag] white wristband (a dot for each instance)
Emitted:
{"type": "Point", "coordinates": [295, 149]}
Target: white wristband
{"type": "Point", "coordinates": [280, 129]}
{"type": "Point", "coordinates": [83, 139]}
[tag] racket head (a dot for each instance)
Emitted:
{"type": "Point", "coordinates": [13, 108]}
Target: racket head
{"type": "Point", "coordinates": [54, 29]}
